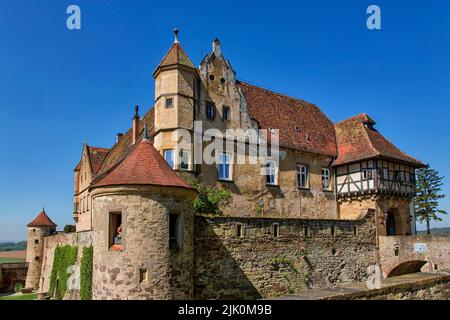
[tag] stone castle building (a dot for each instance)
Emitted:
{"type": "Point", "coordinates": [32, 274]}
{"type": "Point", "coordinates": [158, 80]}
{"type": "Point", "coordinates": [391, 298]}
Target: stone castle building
{"type": "Point", "coordinates": [335, 188]}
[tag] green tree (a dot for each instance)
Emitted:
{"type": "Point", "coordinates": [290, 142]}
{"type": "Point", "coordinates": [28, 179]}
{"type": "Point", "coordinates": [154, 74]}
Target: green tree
{"type": "Point", "coordinates": [428, 184]}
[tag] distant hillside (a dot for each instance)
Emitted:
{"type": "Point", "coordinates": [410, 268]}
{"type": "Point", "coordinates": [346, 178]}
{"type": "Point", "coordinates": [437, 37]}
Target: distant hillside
{"type": "Point", "coordinates": [12, 246]}
{"type": "Point", "coordinates": [437, 231]}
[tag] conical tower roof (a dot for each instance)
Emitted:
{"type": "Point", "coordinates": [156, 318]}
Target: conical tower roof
{"type": "Point", "coordinates": [42, 220]}
{"type": "Point", "coordinates": [143, 166]}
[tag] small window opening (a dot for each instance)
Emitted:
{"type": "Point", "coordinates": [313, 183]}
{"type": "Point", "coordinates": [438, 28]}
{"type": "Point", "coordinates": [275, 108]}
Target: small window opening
{"type": "Point", "coordinates": [332, 230]}
{"type": "Point", "coordinates": [115, 231]}
{"type": "Point", "coordinates": [36, 258]}
{"type": "Point", "coordinates": [210, 114]}
{"type": "Point", "coordinates": [36, 241]}
{"type": "Point", "coordinates": [174, 231]}
{"type": "Point", "coordinates": [169, 103]}
{"type": "Point", "coordinates": [333, 252]}
{"type": "Point", "coordinates": [211, 77]}
{"type": "Point", "coordinates": [355, 231]}
{"type": "Point", "coordinates": [275, 230]}
{"type": "Point", "coordinates": [306, 231]}
{"type": "Point", "coordinates": [239, 231]}
{"type": "Point", "coordinates": [222, 80]}
{"type": "Point", "coordinates": [143, 276]}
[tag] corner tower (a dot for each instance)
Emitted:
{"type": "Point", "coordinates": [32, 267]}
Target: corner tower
{"type": "Point", "coordinates": [175, 98]}
{"type": "Point", "coordinates": [39, 228]}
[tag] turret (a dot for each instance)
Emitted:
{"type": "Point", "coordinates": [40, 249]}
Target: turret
{"type": "Point", "coordinates": [39, 228]}
{"type": "Point", "coordinates": [175, 91]}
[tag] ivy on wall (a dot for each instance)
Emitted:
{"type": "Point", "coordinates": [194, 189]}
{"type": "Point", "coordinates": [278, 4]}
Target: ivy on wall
{"type": "Point", "coordinates": [86, 274]}
{"type": "Point", "coordinates": [64, 257]}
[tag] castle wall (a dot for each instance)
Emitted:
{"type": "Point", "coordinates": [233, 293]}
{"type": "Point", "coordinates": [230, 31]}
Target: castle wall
{"type": "Point", "coordinates": [79, 239]}
{"type": "Point", "coordinates": [258, 264]}
{"type": "Point", "coordinates": [146, 267]}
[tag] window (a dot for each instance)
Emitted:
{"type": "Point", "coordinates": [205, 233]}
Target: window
{"type": "Point", "coordinates": [222, 80]}
{"type": "Point", "coordinates": [211, 77]}
{"type": "Point", "coordinates": [275, 230]}
{"type": "Point", "coordinates": [239, 230]}
{"type": "Point", "coordinates": [36, 258]}
{"type": "Point", "coordinates": [326, 179]}
{"type": "Point", "coordinates": [36, 241]}
{"type": "Point", "coordinates": [271, 171]}
{"type": "Point", "coordinates": [302, 176]}
{"type": "Point", "coordinates": [169, 103]}
{"type": "Point", "coordinates": [306, 231]}
{"type": "Point", "coordinates": [174, 231]}
{"type": "Point", "coordinates": [184, 159]}
{"type": "Point", "coordinates": [226, 113]}
{"type": "Point", "coordinates": [168, 156]}
{"type": "Point", "coordinates": [210, 110]}
{"type": "Point", "coordinates": [224, 166]}
{"type": "Point", "coordinates": [115, 231]}
{"type": "Point", "coordinates": [332, 230]}
{"type": "Point", "coordinates": [367, 174]}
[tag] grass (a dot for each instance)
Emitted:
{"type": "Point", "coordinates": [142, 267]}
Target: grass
{"type": "Point", "coordinates": [30, 296]}
{"type": "Point", "coordinates": [10, 260]}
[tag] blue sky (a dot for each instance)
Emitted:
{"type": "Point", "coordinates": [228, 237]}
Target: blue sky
{"type": "Point", "coordinates": [59, 88]}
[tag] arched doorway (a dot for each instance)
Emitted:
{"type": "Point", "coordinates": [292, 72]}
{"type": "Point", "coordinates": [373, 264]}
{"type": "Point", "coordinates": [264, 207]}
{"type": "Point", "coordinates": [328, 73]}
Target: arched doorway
{"type": "Point", "coordinates": [407, 267]}
{"type": "Point", "coordinates": [390, 223]}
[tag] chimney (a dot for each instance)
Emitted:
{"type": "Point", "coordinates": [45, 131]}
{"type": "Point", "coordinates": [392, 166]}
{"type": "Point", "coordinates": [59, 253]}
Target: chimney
{"type": "Point", "coordinates": [136, 124]}
{"type": "Point", "coordinates": [119, 136]}
{"type": "Point", "coordinates": [216, 48]}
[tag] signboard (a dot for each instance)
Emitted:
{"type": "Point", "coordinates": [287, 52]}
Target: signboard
{"type": "Point", "coordinates": [420, 247]}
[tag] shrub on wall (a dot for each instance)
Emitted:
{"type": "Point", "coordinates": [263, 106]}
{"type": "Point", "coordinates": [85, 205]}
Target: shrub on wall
{"type": "Point", "coordinates": [64, 257]}
{"type": "Point", "coordinates": [210, 200]}
{"type": "Point", "coordinates": [86, 274]}
{"type": "Point", "coordinates": [69, 228]}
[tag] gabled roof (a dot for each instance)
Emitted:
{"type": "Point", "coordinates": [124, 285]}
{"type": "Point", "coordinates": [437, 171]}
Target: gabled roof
{"type": "Point", "coordinates": [301, 125]}
{"type": "Point", "coordinates": [96, 157]}
{"type": "Point", "coordinates": [42, 220]}
{"type": "Point", "coordinates": [357, 140]}
{"type": "Point", "coordinates": [143, 166]}
{"type": "Point", "coordinates": [176, 55]}
{"type": "Point", "coordinates": [124, 146]}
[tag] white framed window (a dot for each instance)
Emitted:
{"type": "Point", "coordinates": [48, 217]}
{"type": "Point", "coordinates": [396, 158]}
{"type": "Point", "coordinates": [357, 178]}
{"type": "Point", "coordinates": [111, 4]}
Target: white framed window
{"type": "Point", "coordinates": [326, 178]}
{"type": "Point", "coordinates": [184, 159]}
{"type": "Point", "coordinates": [168, 156]}
{"type": "Point", "coordinates": [302, 176]}
{"type": "Point", "coordinates": [271, 172]}
{"type": "Point", "coordinates": [224, 167]}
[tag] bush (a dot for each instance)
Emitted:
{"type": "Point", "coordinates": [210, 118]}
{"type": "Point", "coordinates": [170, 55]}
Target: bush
{"type": "Point", "coordinates": [86, 274]}
{"type": "Point", "coordinates": [69, 228]}
{"type": "Point", "coordinates": [210, 200]}
{"type": "Point", "coordinates": [64, 257]}
{"type": "Point", "coordinates": [18, 287]}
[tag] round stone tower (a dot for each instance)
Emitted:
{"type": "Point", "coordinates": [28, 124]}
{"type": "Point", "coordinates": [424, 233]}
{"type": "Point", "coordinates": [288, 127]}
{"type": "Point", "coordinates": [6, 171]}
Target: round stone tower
{"type": "Point", "coordinates": [143, 224]}
{"type": "Point", "coordinates": [39, 228]}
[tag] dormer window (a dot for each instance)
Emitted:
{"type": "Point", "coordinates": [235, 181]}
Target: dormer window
{"type": "Point", "coordinates": [169, 103]}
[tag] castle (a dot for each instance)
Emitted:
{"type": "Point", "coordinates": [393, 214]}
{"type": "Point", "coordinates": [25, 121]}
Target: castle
{"type": "Point", "coordinates": [317, 205]}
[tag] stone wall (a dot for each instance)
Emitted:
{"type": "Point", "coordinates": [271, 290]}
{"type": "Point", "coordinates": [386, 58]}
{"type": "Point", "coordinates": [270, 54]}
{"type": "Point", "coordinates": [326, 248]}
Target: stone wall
{"type": "Point", "coordinates": [397, 254]}
{"type": "Point", "coordinates": [79, 239]}
{"type": "Point", "coordinates": [417, 286]}
{"type": "Point", "coordinates": [306, 254]}
{"type": "Point", "coordinates": [11, 274]}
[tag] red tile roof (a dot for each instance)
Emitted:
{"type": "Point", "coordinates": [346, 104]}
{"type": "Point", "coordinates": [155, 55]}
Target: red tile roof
{"type": "Point", "coordinates": [42, 220]}
{"type": "Point", "coordinates": [143, 166]}
{"type": "Point", "coordinates": [357, 140]}
{"type": "Point", "coordinates": [176, 55]}
{"type": "Point", "coordinates": [96, 157]}
{"type": "Point", "coordinates": [301, 125]}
